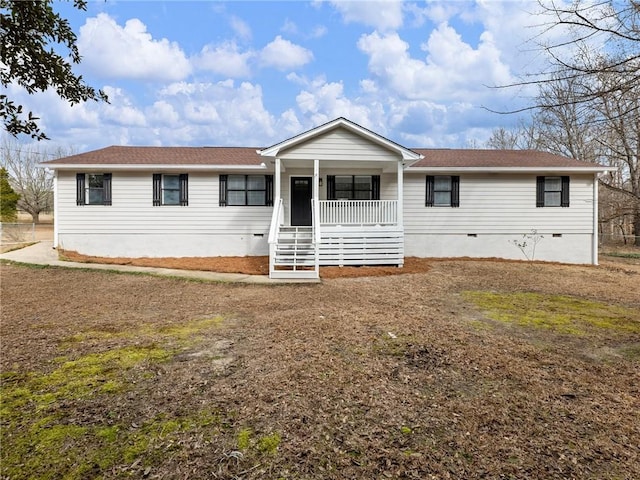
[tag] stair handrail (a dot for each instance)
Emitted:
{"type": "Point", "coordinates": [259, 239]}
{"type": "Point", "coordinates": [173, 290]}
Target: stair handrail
{"type": "Point", "coordinates": [277, 219]}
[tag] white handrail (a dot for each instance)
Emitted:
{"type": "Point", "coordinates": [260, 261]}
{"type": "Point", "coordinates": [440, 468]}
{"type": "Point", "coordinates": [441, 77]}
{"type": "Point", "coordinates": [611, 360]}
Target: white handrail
{"type": "Point", "coordinates": [277, 219]}
{"type": "Point", "coordinates": [358, 212]}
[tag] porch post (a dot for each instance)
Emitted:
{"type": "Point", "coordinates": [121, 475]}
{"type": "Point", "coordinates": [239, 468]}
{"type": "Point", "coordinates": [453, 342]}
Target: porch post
{"type": "Point", "coordinates": [400, 194]}
{"type": "Point", "coordinates": [316, 180]}
{"type": "Point", "coordinates": [315, 220]}
{"type": "Point", "coordinates": [276, 184]}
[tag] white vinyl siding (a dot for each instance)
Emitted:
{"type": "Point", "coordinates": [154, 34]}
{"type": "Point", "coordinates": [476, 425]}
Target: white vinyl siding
{"type": "Point", "coordinates": [497, 203]}
{"type": "Point", "coordinates": [341, 145]}
{"type": "Point", "coordinates": [133, 216]}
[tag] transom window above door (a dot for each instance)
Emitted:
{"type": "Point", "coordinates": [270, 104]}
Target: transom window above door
{"type": "Point", "coordinates": [353, 187]}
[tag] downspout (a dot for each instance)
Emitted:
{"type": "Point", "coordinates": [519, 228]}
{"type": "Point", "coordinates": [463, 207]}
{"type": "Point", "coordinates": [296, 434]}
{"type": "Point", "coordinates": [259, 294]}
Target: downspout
{"type": "Point", "coordinates": [400, 204]}
{"type": "Point", "coordinates": [594, 237]}
{"type": "Point", "coordinates": [55, 209]}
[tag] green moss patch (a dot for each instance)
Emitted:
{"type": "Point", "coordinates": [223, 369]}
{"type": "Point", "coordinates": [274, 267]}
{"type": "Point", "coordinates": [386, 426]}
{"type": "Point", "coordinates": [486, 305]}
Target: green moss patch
{"type": "Point", "coordinates": [44, 434]}
{"type": "Point", "coordinates": [558, 313]}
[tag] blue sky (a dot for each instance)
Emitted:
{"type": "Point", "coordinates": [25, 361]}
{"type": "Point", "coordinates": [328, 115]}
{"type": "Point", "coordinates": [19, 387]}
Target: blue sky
{"type": "Point", "coordinates": [254, 73]}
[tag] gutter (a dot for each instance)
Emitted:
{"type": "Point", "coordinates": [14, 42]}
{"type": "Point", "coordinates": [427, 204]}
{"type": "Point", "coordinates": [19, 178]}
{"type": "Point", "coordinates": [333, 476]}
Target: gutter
{"type": "Point", "coordinates": [594, 169]}
{"type": "Point", "coordinates": [148, 167]}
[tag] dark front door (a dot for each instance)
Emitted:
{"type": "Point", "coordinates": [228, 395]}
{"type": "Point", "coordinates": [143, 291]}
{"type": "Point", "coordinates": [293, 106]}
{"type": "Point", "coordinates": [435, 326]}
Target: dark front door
{"type": "Point", "coordinates": [301, 192]}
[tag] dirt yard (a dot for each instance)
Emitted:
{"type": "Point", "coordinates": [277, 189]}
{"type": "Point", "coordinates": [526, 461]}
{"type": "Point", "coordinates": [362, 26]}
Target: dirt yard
{"type": "Point", "coordinates": [473, 369]}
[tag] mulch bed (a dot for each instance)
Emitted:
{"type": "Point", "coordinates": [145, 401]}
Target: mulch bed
{"type": "Point", "coordinates": [247, 265]}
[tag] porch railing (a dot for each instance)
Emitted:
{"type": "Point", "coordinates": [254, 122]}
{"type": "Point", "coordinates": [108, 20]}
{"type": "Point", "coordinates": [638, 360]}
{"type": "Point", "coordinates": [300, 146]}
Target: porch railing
{"type": "Point", "coordinates": [358, 212]}
{"type": "Point", "coordinates": [277, 219]}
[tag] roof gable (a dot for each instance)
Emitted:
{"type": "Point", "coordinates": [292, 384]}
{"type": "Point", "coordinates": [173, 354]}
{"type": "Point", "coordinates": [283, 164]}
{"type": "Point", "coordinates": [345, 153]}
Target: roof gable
{"type": "Point", "coordinates": [340, 123]}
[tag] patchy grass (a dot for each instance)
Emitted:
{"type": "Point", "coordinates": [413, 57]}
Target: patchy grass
{"type": "Point", "coordinates": [45, 443]}
{"type": "Point", "coordinates": [388, 377]}
{"type": "Point", "coordinates": [622, 254]}
{"type": "Point", "coordinates": [559, 313]}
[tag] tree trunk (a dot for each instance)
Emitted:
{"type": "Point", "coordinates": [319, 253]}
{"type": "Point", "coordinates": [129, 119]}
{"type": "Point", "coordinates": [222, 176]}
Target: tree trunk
{"type": "Point", "coordinates": [35, 217]}
{"type": "Point", "coordinates": [636, 226]}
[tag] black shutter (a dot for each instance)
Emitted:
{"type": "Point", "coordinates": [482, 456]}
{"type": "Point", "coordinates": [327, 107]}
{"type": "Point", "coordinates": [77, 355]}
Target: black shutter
{"type": "Point", "coordinates": [455, 191]}
{"type": "Point", "coordinates": [80, 198]}
{"type": "Point", "coordinates": [157, 189]}
{"type": "Point", "coordinates": [428, 201]}
{"type": "Point", "coordinates": [539, 191]}
{"type": "Point", "coordinates": [375, 187]}
{"type": "Point", "coordinates": [223, 191]}
{"type": "Point", "coordinates": [564, 201]}
{"type": "Point", "coordinates": [106, 185]}
{"type": "Point", "coordinates": [269, 192]}
{"type": "Point", "coordinates": [331, 187]}
{"type": "Point", "coordinates": [184, 189]}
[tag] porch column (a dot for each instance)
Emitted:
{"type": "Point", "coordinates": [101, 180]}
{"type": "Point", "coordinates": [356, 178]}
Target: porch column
{"type": "Point", "coordinates": [400, 193]}
{"type": "Point", "coordinates": [316, 181]}
{"type": "Point", "coordinates": [276, 184]}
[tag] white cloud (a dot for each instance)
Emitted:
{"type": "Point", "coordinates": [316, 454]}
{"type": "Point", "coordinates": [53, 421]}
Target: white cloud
{"type": "Point", "coordinates": [112, 51]}
{"type": "Point", "coordinates": [453, 70]}
{"type": "Point", "coordinates": [284, 55]}
{"type": "Point", "coordinates": [241, 28]}
{"type": "Point", "coordinates": [322, 101]}
{"type": "Point", "coordinates": [162, 113]}
{"type": "Point", "coordinates": [120, 109]}
{"type": "Point", "coordinates": [289, 27]}
{"type": "Point", "coordinates": [318, 31]}
{"type": "Point", "coordinates": [383, 15]}
{"type": "Point", "coordinates": [224, 59]}
{"type": "Point", "coordinates": [221, 113]}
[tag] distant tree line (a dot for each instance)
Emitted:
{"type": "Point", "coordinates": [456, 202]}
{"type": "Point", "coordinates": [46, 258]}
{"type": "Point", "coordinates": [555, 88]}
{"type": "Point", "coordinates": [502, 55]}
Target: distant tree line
{"type": "Point", "coordinates": [588, 104]}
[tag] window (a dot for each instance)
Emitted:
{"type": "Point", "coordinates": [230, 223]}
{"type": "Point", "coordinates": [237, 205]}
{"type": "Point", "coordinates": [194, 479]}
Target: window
{"type": "Point", "coordinates": [93, 189]}
{"type": "Point", "coordinates": [552, 192]}
{"type": "Point", "coordinates": [353, 187]}
{"type": "Point", "coordinates": [246, 190]}
{"type": "Point", "coordinates": [442, 191]}
{"type": "Point", "coordinates": [170, 189]}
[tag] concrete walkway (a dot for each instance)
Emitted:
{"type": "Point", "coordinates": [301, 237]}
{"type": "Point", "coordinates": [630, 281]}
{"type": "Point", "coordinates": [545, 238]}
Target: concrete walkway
{"type": "Point", "coordinates": [43, 253]}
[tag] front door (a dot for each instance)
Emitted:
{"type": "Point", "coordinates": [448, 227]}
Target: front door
{"type": "Point", "coordinates": [301, 193]}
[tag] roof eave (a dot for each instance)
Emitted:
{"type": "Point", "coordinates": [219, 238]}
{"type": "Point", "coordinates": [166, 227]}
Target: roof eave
{"type": "Point", "coordinates": [594, 169]}
{"type": "Point", "coordinates": [147, 167]}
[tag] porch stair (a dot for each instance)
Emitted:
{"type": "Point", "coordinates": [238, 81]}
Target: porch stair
{"type": "Point", "coordinates": [294, 253]}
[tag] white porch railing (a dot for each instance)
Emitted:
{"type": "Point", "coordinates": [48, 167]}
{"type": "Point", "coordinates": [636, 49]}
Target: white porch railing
{"type": "Point", "coordinates": [277, 219]}
{"type": "Point", "coordinates": [358, 212]}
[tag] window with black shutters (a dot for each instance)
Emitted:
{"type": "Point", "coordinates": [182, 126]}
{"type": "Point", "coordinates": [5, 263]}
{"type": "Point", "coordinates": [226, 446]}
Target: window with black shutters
{"type": "Point", "coordinates": [552, 191]}
{"type": "Point", "coordinates": [442, 191]}
{"type": "Point", "coordinates": [170, 189]}
{"type": "Point", "coordinates": [93, 189]}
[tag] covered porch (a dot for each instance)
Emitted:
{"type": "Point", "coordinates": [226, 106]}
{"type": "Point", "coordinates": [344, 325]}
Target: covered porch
{"type": "Point", "coordinates": [337, 200]}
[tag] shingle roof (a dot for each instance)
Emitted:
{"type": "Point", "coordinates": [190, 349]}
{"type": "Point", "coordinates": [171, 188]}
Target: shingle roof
{"type": "Point", "coordinates": [164, 156]}
{"type": "Point", "coordinates": [493, 158]}
{"type": "Point", "coordinates": [244, 156]}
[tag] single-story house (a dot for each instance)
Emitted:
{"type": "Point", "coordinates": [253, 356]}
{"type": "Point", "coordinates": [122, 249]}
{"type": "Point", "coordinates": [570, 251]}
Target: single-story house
{"type": "Point", "coordinates": [338, 194]}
